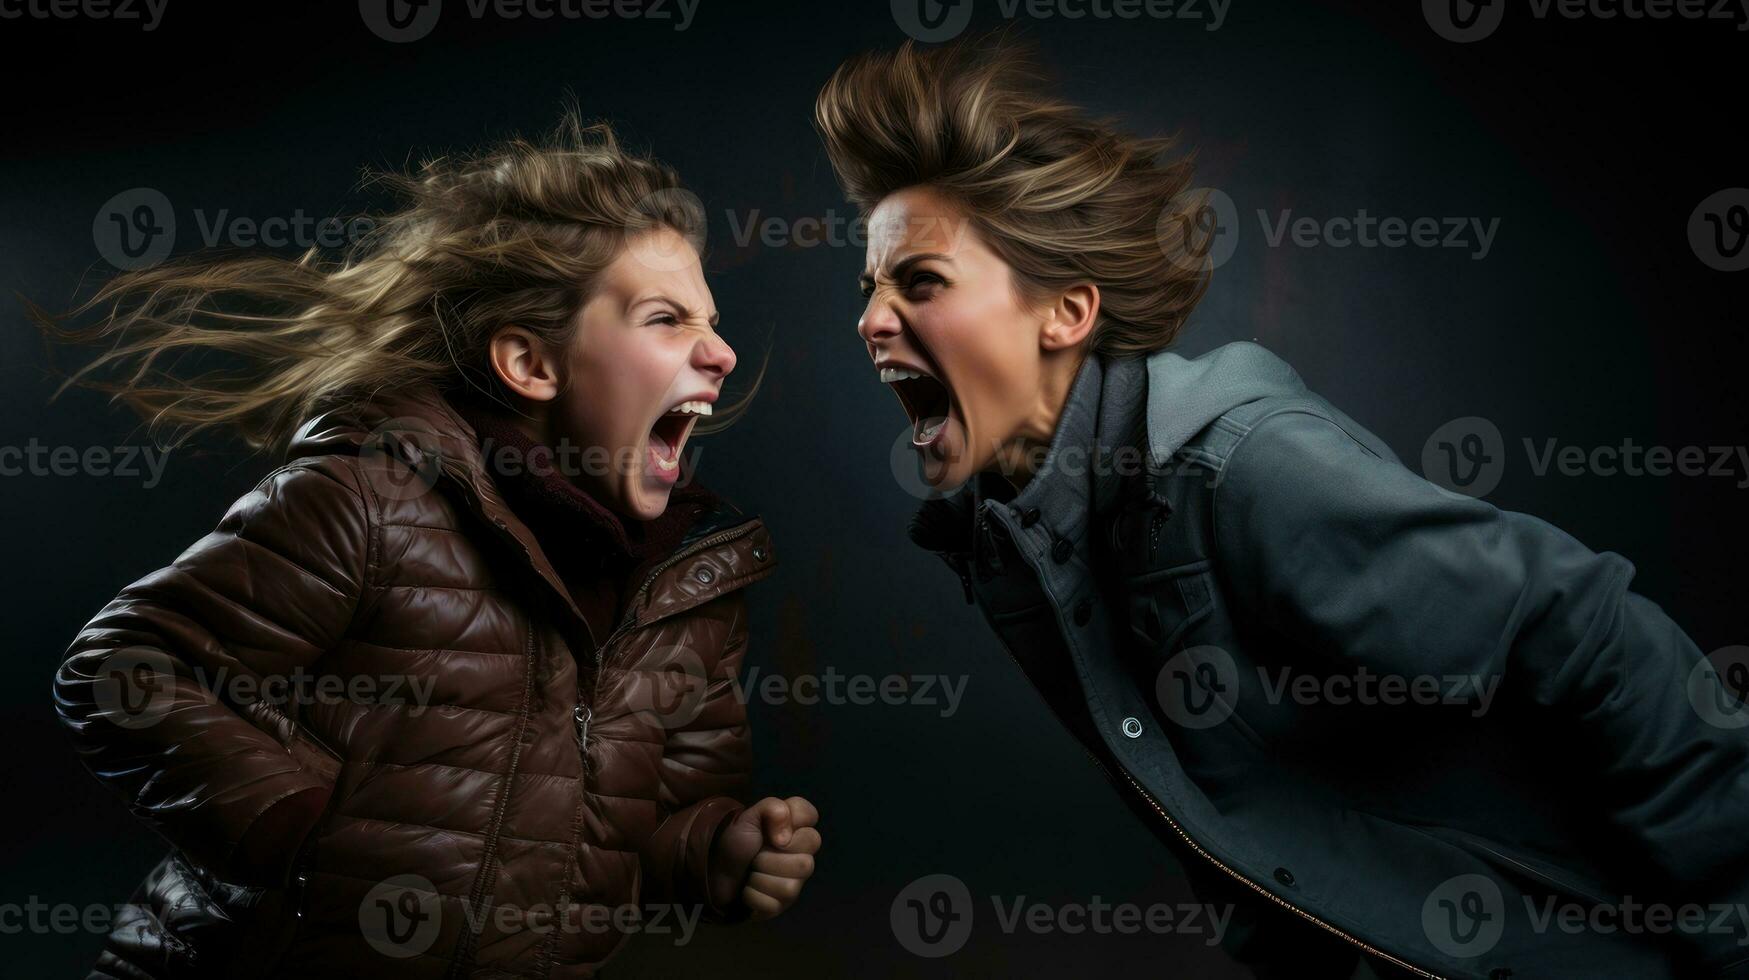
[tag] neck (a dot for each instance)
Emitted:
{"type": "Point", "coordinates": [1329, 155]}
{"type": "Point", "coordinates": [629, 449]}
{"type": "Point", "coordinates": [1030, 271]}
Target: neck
{"type": "Point", "coordinates": [1018, 459]}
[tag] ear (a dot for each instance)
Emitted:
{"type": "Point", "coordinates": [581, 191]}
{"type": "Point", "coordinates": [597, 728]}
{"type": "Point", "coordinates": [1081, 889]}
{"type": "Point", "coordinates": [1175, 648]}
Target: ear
{"type": "Point", "coordinates": [524, 363]}
{"type": "Point", "coordinates": [1072, 318]}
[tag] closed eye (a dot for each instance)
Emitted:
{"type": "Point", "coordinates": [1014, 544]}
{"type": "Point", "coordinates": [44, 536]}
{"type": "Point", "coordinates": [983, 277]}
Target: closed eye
{"type": "Point", "coordinates": [923, 279]}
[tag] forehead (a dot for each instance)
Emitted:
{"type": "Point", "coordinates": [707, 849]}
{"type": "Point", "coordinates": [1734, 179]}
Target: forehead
{"type": "Point", "coordinates": [913, 220]}
{"type": "Point", "coordinates": [657, 261]}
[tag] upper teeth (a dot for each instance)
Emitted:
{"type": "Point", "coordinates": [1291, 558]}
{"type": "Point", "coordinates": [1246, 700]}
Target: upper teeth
{"type": "Point", "coordinates": [691, 408]}
{"type": "Point", "coordinates": [890, 375]}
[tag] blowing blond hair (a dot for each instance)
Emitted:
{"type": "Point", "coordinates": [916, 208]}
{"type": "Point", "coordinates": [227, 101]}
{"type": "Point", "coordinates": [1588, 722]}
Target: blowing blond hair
{"type": "Point", "coordinates": [515, 234]}
{"type": "Point", "coordinates": [1062, 197]}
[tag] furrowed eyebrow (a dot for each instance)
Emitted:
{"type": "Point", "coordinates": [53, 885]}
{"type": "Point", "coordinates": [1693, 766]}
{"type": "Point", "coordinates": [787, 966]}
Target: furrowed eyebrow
{"type": "Point", "coordinates": [686, 312]}
{"type": "Point", "coordinates": [904, 265]}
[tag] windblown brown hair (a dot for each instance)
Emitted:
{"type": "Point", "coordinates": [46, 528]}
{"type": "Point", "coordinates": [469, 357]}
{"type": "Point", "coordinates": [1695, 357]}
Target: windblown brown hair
{"type": "Point", "coordinates": [515, 234]}
{"type": "Point", "coordinates": [1062, 197]}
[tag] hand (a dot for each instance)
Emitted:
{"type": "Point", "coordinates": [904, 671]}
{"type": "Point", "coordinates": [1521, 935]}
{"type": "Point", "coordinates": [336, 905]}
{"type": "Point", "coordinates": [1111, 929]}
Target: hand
{"type": "Point", "coordinates": [781, 837]}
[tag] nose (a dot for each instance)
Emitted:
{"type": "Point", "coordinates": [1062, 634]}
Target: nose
{"type": "Point", "coordinates": [879, 322]}
{"type": "Point", "coordinates": [713, 355]}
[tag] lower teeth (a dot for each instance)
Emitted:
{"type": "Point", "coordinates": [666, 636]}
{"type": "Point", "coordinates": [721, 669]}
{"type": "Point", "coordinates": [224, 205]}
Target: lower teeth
{"type": "Point", "coordinates": [927, 428]}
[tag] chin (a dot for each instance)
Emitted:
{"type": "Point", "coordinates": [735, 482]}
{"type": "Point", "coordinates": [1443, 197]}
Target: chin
{"type": "Point", "coordinates": [647, 505]}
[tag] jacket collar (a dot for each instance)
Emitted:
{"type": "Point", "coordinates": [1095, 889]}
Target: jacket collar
{"type": "Point", "coordinates": [419, 427]}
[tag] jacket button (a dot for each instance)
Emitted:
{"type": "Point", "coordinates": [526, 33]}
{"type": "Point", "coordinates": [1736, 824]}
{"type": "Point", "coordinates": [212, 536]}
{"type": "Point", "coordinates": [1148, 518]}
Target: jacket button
{"type": "Point", "coordinates": [1083, 612]}
{"type": "Point", "coordinates": [1284, 876]}
{"type": "Point", "coordinates": [759, 553]}
{"type": "Point", "coordinates": [1029, 517]}
{"type": "Point", "coordinates": [1062, 551]}
{"type": "Point", "coordinates": [705, 575]}
{"type": "Point", "coordinates": [1132, 727]}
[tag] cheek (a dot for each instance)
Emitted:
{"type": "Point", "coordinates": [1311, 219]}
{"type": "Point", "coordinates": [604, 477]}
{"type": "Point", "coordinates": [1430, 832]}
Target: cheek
{"type": "Point", "coordinates": [981, 343]}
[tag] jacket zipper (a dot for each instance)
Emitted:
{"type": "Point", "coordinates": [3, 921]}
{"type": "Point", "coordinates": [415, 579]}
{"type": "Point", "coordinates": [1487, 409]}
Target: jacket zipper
{"type": "Point", "coordinates": [584, 712]}
{"type": "Point", "coordinates": [1198, 848]}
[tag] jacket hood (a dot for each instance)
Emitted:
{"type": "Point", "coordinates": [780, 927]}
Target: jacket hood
{"type": "Point", "coordinates": [1186, 394]}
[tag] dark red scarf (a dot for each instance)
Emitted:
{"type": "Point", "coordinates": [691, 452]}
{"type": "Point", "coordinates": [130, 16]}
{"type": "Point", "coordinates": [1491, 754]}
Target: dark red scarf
{"type": "Point", "coordinates": [598, 553]}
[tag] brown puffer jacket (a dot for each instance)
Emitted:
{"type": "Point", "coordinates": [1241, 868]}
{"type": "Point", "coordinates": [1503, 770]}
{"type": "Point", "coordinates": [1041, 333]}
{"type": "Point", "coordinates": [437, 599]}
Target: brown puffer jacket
{"type": "Point", "coordinates": [372, 640]}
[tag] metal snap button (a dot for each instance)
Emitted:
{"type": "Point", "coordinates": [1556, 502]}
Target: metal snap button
{"type": "Point", "coordinates": [1132, 727]}
{"type": "Point", "coordinates": [1062, 551]}
{"type": "Point", "coordinates": [759, 553]}
{"type": "Point", "coordinates": [1029, 517]}
{"type": "Point", "coordinates": [705, 574]}
{"type": "Point", "coordinates": [1284, 876]}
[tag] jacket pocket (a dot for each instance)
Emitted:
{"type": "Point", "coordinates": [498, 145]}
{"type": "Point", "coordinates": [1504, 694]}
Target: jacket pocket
{"type": "Point", "coordinates": [1165, 604]}
{"type": "Point", "coordinates": [1539, 873]}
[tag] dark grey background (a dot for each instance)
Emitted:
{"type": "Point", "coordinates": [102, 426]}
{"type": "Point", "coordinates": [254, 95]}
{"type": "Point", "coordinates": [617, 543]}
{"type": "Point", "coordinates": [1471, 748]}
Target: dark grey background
{"type": "Point", "coordinates": [1591, 321]}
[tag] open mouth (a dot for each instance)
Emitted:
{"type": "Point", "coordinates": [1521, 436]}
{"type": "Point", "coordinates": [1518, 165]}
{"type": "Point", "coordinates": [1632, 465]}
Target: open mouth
{"type": "Point", "coordinates": [669, 434]}
{"type": "Point", "coordinates": [926, 400]}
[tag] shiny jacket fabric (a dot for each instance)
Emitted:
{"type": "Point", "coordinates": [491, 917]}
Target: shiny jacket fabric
{"type": "Point", "coordinates": [492, 789]}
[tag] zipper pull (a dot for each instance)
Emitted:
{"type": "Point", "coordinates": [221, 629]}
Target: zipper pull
{"type": "Point", "coordinates": [582, 714]}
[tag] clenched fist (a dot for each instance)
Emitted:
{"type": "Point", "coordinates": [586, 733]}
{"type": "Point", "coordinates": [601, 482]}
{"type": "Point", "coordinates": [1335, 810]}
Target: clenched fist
{"type": "Point", "coordinates": [780, 839]}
